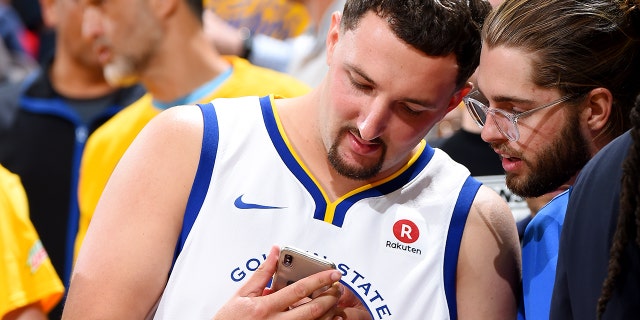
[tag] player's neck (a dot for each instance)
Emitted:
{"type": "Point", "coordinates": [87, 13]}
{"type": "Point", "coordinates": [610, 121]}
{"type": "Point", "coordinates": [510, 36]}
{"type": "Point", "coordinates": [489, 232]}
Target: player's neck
{"type": "Point", "coordinates": [302, 128]}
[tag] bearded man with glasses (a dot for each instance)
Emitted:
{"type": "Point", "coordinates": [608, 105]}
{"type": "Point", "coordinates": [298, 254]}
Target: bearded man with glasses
{"type": "Point", "coordinates": [555, 84]}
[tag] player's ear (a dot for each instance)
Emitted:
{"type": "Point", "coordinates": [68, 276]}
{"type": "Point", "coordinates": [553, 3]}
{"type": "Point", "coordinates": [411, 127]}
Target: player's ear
{"type": "Point", "coordinates": [458, 95]}
{"type": "Point", "coordinates": [333, 35]}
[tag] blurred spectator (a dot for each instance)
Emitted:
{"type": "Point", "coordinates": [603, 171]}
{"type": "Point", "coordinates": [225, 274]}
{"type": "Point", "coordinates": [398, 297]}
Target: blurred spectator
{"type": "Point", "coordinates": [134, 37]}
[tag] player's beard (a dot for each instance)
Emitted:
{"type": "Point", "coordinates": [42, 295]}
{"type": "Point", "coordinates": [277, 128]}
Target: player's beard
{"type": "Point", "coordinates": [555, 165]}
{"type": "Point", "coordinates": [355, 172]}
{"type": "Point", "coordinates": [121, 72]}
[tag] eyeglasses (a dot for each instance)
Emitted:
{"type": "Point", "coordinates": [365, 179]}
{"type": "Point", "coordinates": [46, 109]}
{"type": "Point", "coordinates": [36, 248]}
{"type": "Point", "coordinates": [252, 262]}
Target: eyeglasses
{"type": "Point", "coordinates": [507, 122]}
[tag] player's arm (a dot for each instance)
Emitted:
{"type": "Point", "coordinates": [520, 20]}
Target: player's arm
{"type": "Point", "coordinates": [488, 275]}
{"type": "Point", "coordinates": [124, 262]}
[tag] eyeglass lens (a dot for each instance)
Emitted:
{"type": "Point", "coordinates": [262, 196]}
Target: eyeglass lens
{"type": "Point", "coordinates": [502, 121]}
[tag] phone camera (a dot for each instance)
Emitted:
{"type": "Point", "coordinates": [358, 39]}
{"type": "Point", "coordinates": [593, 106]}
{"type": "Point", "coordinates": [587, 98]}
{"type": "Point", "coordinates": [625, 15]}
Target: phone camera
{"type": "Point", "coordinates": [288, 260]}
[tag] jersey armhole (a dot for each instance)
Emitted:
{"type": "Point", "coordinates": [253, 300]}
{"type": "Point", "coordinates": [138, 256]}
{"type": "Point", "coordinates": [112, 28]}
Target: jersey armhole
{"type": "Point", "coordinates": [454, 238]}
{"type": "Point", "coordinates": [203, 174]}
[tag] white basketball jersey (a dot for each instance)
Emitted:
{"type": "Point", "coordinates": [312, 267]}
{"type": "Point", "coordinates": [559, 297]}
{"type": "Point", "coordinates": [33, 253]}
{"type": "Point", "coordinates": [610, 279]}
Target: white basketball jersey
{"type": "Point", "coordinates": [396, 242]}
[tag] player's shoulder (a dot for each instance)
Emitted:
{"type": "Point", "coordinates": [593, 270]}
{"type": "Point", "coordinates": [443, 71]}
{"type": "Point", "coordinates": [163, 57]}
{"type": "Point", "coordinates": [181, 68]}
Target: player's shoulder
{"type": "Point", "coordinates": [491, 231]}
{"type": "Point", "coordinates": [490, 209]}
{"type": "Point", "coordinates": [180, 117]}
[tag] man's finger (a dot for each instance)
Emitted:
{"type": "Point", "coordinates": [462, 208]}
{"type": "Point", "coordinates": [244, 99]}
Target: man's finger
{"type": "Point", "coordinates": [256, 284]}
{"type": "Point", "coordinates": [322, 307]}
{"type": "Point", "coordinates": [301, 289]}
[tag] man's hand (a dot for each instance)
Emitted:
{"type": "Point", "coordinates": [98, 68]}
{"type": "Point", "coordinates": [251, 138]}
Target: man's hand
{"type": "Point", "coordinates": [254, 301]}
{"type": "Point", "coordinates": [350, 307]}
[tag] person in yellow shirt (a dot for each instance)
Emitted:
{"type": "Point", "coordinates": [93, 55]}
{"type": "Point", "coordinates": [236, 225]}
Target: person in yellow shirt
{"type": "Point", "coordinates": [166, 50]}
{"type": "Point", "coordinates": [29, 285]}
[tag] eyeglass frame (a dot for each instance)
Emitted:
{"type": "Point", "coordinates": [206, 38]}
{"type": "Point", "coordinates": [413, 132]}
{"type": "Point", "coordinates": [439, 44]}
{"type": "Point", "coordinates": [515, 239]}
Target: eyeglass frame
{"type": "Point", "coordinates": [512, 117]}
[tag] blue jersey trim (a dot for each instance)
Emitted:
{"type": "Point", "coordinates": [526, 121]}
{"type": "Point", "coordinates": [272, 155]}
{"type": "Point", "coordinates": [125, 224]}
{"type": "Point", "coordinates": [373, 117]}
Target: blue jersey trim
{"type": "Point", "coordinates": [290, 160]}
{"type": "Point", "coordinates": [454, 238]}
{"type": "Point", "coordinates": [385, 188]}
{"type": "Point", "coordinates": [203, 174]}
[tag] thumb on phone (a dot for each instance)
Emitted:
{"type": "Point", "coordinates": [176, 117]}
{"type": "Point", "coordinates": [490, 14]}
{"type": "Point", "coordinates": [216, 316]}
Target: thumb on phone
{"type": "Point", "coordinates": [255, 286]}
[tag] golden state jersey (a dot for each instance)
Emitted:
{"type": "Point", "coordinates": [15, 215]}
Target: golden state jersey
{"type": "Point", "coordinates": [396, 241]}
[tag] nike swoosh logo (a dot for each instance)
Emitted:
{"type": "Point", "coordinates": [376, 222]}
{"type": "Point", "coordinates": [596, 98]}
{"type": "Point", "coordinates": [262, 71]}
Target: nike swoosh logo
{"type": "Point", "coordinates": [244, 205]}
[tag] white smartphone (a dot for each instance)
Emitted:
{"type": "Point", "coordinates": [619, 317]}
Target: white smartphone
{"type": "Point", "coordinates": [295, 264]}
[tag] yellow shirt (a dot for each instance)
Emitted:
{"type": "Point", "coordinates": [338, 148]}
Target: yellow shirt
{"type": "Point", "coordinates": [26, 273]}
{"type": "Point", "coordinates": [108, 143]}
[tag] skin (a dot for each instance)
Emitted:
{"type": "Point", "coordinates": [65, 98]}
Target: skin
{"type": "Point", "coordinates": [29, 312]}
{"type": "Point", "coordinates": [131, 54]}
{"type": "Point", "coordinates": [394, 106]}
{"type": "Point", "coordinates": [548, 143]}
{"type": "Point", "coordinates": [393, 97]}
